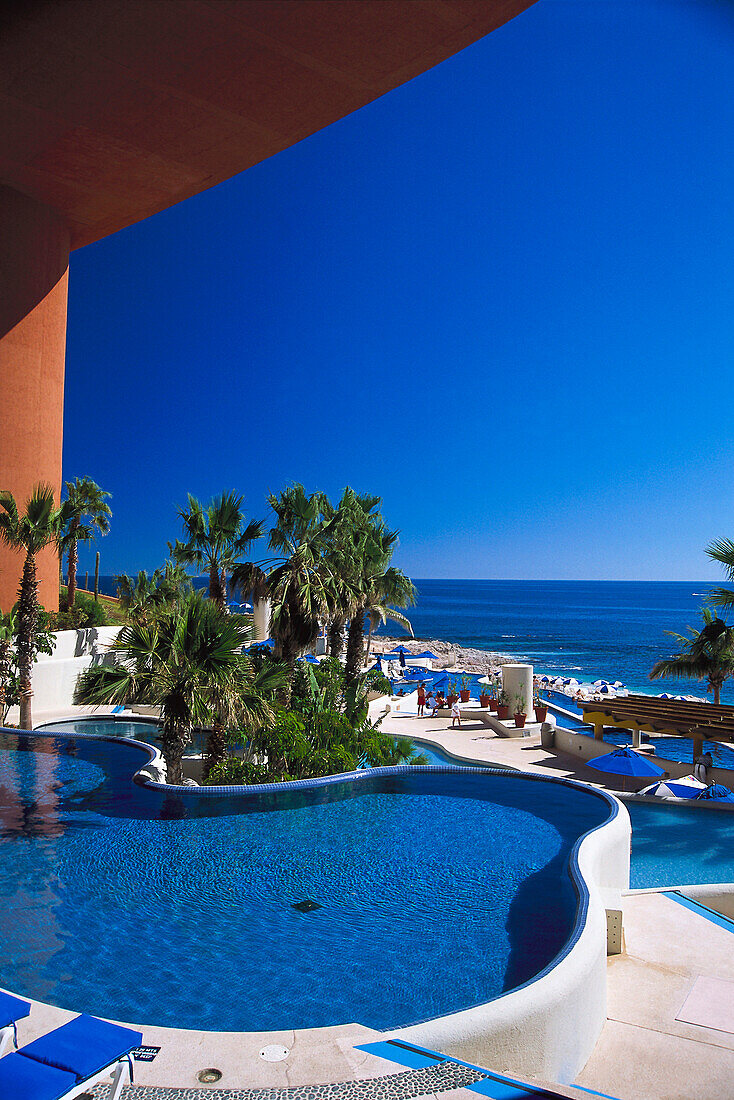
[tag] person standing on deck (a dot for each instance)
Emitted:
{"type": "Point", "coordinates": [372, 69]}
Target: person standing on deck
{"type": "Point", "coordinates": [421, 699]}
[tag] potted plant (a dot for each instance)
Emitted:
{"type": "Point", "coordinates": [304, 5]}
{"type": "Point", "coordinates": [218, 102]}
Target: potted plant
{"type": "Point", "coordinates": [503, 705]}
{"type": "Point", "coordinates": [453, 695]}
{"type": "Point", "coordinates": [465, 692]}
{"type": "Point", "coordinates": [485, 699]}
{"type": "Point", "coordinates": [520, 715]}
{"type": "Point", "coordinates": [540, 708]}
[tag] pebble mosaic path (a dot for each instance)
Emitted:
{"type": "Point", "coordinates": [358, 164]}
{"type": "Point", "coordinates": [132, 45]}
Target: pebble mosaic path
{"type": "Point", "coordinates": [441, 1077]}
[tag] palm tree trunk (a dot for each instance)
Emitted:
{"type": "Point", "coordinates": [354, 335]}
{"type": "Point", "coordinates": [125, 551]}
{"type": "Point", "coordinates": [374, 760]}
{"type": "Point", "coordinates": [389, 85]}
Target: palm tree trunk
{"type": "Point", "coordinates": [73, 559]}
{"type": "Point", "coordinates": [174, 740]}
{"type": "Point", "coordinates": [216, 747]}
{"type": "Point", "coordinates": [355, 647]}
{"type": "Point", "coordinates": [717, 693]}
{"type": "Point", "coordinates": [27, 621]}
{"type": "Point", "coordinates": [216, 591]}
{"type": "Point", "coordinates": [5, 651]}
{"type": "Point", "coordinates": [336, 637]}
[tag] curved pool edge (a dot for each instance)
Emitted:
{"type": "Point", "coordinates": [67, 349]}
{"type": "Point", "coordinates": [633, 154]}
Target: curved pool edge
{"type": "Point", "coordinates": [548, 1026]}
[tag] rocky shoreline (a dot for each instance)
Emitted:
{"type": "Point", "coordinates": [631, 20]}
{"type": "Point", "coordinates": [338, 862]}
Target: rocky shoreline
{"type": "Point", "coordinates": [449, 654]}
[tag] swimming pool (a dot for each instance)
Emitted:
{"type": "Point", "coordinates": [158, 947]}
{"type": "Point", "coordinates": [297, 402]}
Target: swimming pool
{"type": "Point", "coordinates": [671, 845]}
{"type": "Point", "coordinates": [675, 845]}
{"type": "Point", "coordinates": [178, 909]}
{"type": "Point", "coordinates": [125, 728]}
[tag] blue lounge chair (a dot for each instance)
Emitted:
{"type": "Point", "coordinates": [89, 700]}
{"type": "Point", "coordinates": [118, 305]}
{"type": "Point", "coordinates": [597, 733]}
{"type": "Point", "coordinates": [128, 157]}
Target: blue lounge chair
{"type": "Point", "coordinates": [69, 1061]}
{"type": "Point", "coordinates": [12, 1009]}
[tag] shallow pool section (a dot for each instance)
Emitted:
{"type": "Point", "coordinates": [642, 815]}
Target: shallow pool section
{"type": "Point", "coordinates": [432, 890]}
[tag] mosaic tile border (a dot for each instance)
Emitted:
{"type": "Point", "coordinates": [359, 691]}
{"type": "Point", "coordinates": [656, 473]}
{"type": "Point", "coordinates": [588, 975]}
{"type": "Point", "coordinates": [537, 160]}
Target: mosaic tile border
{"type": "Point", "coordinates": [408, 1085]}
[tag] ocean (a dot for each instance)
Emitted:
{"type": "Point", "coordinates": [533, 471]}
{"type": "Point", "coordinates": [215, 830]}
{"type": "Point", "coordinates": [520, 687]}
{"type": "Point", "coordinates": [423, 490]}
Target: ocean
{"type": "Point", "coordinates": [588, 629]}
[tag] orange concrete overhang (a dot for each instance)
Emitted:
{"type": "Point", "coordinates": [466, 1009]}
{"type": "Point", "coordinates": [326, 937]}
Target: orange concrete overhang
{"type": "Point", "coordinates": [112, 110]}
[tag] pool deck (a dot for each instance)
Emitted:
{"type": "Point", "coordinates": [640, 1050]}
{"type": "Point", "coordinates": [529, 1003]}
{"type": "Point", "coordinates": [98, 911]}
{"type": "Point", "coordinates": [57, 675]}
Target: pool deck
{"type": "Point", "coordinates": [649, 1048]}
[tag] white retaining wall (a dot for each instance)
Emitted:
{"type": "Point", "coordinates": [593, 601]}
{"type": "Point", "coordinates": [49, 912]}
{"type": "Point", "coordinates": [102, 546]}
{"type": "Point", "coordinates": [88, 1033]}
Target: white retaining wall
{"type": "Point", "coordinates": [54, 677]}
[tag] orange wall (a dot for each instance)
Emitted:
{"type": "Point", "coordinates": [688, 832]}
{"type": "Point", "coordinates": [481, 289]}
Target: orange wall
{"type": "Point", "coordinates": [34, 257]}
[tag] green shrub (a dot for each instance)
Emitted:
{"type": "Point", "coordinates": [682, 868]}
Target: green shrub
{"type": "Point", "coordinates": [85, 612]}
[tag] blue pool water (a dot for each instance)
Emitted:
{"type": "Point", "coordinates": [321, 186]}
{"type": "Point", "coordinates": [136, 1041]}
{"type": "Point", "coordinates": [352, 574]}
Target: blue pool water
{"type": "Point", "coordinates": [124, 728]}
{"type": "Point", "coordinates": [673, 845]}
{"type": "Point", "coordinates": [178, 910]}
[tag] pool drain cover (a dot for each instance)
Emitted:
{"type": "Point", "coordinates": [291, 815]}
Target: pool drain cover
{"type": "Point", "coordinates": [209, 1076]}
{"type": "Point", "coordinates": [306, 906]}
{"type": "Point", "coordinates": [274, 1053]}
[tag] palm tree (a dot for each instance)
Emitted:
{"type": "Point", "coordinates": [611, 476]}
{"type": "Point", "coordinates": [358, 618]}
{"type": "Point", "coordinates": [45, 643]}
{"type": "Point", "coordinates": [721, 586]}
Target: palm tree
{"type": "Point", "coordinates": [84, 513]}
{"type": "Point", "coordinates": [381, 584]}
{"type": "Point", "coordinates": [188, 662]}
{"type": "Point", "coordinates": [299, 585]}
{"type": "Point", "coordinates": [7, 633]}
{"type": "Point", "coordinates": [722, 551]}
{"type": "Point", "coordinates": [344, 533]}
{"type": "Point", "coordinates": [215, 538]}
{"type": "Point", "coordinates": [706, 654]}
{"type": "Point", "coordinates": [144, 595]}
{"type": "Point", "coordinates": [33, 531]}
{"type": "Point", "coordinates": [392, 587]}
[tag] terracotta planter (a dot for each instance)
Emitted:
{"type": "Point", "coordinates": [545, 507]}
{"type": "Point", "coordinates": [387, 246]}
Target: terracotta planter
{"type": "Point", "coordinates": [502, 712]}
{"type": "Point", "coordinates": [451, 699]}
{"type": "Point", "coordinates": [465, 695]}
{"type": "Point", "coordinates": [484, 701]}
{"type": "Point", "coordinates": [493, 704]}
{"type": "Point", "coordinates": [541, 713]}
{"type": "Point", "coordinates": [519, 720]}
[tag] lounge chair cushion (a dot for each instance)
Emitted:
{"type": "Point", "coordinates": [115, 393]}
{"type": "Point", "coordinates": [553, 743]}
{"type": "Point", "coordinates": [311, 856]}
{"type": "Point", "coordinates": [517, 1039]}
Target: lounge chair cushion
{"type": "Point", "coordinates": [12, 1009]}
{"type": "Point", "coordinates": [84, 1046]}
{"type": "Point", "coordinates": [23, 1079]}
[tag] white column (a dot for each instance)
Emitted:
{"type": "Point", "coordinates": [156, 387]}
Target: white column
{"type": "Point", "coordinates": [518, 680]}
{"type": "Point", "coordinates": [261, 619]}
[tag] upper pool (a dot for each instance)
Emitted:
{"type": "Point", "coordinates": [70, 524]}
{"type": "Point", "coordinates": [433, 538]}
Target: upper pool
{"type": "Point", "coordinates": [178, 910]}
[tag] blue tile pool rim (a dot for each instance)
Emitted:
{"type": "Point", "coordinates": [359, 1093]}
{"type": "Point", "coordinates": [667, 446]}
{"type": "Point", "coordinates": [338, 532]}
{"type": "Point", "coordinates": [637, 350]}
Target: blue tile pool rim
{"type": "Point", "coordinates": [369, 778]}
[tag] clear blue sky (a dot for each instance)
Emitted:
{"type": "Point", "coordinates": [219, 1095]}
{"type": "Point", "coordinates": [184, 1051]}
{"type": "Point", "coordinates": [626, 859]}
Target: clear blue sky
{"type": "Point", "coordinates": [501, 297]}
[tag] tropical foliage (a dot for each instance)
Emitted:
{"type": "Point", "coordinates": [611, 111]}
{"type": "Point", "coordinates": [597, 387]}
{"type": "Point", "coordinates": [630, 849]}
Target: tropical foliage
{"type": "Point", "coordinates": [706, 654]}
{"type": "Point", "coordinates": [29, 532]}
{"type": "Point", "coordinates": [216, 537]}
{"type": "Point", "coordinates": [722, 551]}
{"type": "Point", "coordinates": [187, 660]}
{"type": "Point", "coordinates": [142, 596]}
{"type": "Point", "coordinates": [83, 514]}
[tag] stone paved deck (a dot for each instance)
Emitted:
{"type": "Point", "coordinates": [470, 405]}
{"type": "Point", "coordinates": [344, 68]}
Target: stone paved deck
{"type": "Point", "coordinates": [429, 1080]}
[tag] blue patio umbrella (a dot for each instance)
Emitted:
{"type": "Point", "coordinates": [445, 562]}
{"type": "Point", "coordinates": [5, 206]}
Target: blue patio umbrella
{"type": "Point", "coordinates": [401, 649]}
{"type": "Point", "coordinates": [267, 644]}
{"type": "Point", "coordinates": [426, 656]}
{"type": "Point", "coordinates": [310, 659]}
{"type": "Point", "coordinates": [716, 792]}
{"type": "Point", "coordinates": [625, 762]}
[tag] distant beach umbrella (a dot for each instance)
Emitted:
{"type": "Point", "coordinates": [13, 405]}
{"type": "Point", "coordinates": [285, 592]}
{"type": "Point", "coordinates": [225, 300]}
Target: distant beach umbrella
{"type": "Point", "coordinates": [607, 689]}
{"type": "Point", "coordinates": [600, 683]}
{"type": "Point", "coordinates": [716, 792]}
